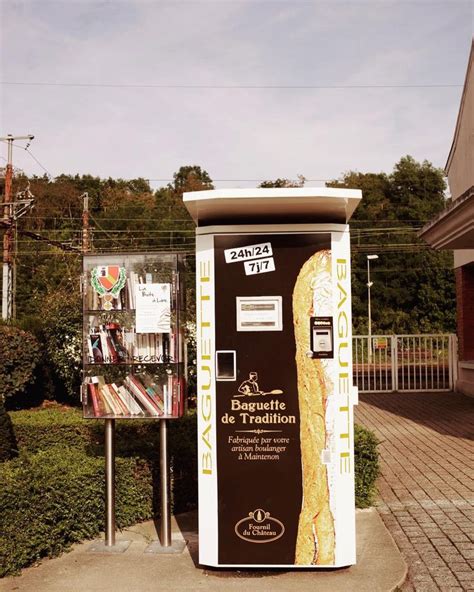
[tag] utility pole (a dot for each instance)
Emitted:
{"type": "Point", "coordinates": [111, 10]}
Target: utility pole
{"type": "Point", "coordinates": [86, 242]}
{"type": "Point", "coordinates": [9, 236]}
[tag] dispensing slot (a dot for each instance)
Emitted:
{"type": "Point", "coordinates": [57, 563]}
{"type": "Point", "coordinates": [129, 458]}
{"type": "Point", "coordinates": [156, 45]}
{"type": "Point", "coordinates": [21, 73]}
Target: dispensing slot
{"type": "Point", "coordinates": [225, 365]}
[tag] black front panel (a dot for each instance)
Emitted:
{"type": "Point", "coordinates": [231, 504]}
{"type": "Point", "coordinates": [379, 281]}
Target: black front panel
{"type": "Point", "coordinates": [259, 462]}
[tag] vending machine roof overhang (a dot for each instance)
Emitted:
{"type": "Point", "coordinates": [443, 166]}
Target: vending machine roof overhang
{"type": "Point", "coordinates": [265, 206]}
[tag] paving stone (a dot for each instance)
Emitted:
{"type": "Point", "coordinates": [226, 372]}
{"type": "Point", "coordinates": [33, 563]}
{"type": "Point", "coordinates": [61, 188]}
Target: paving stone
{"type": "Point", "coordinates": [460, 566]}
{"type": "Point", "coordinates": [427, 485]}
{"type": "Point", "coordinates": [465, 576]}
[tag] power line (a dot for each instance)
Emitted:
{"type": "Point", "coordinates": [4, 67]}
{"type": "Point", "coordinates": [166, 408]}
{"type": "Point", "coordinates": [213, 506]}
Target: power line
{"type": "Point", "coordinates": [38, 162]}
{"type": "Point", "coordinates": [237, 180]}
{"type": "Point", "coordinates": [231, 86]}
{"type": "Point", "coordinates": [26, 149]}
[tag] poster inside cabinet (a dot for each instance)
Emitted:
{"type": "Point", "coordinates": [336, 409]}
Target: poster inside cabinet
{"type": "Point", "coordinates": [275, 397]}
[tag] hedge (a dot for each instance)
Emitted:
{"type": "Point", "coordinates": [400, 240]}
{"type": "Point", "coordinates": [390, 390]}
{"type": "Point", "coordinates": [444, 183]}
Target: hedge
{"type": "Point", "coordinates": [7, 435]}
{"type": "Point", "coordinates": [55, 497]}
{"type": "Point", "coordinates": [54, 492]}
{"type": "Point", "coordinates": [366, 466]}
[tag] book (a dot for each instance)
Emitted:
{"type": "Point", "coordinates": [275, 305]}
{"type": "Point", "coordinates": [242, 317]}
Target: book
{"type": "Point", "coordinates": [114, 359]}
{"type": "Point", "coordinates": [153, 390]}
{"type": "Point", "coordinates": [182, 390]}
{"type": "Point", "coordinates": [94, 398]}
{"type": "Point", "coordinates": [96, 348]}
{"type": "Point", "coordinates": [166, 347]}
{"type": "Point", "coordinates": [128, 398]}
{"type": "Point", "coordinates": [173, 395]}
{"type": "Point", "coordinates": [115, 333]}
{"type": "Point", "coordinates": [103, 346]}
{"type": "Point", "coordinates": [117, 399]}
{"type": "Point", "coordinates": [141, 395]}
{"type": "Point", "coordinates": [110, 401]}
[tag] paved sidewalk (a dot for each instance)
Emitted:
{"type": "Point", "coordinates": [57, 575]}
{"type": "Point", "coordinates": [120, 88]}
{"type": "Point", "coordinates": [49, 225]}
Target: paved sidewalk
{"type": "Point", "coordinates": [134, 570]}
{"type": "Point", "coordinates": [427, 483]}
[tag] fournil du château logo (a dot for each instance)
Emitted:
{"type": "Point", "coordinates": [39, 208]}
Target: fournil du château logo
{"type": "Point", "coordinates": [259, 527]}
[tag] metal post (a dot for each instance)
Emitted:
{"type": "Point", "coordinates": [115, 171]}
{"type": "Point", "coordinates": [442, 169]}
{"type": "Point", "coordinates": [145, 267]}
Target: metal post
{"type": "Point", "coordinates": [369, 283]}
{"type": "Point", "coordinates": [110, 482]}
{"type": "Point", "coordinates": [7, 288]}
{"type": "Point", "coordinates": [164, 479]}
{"type": "Point", "coordinates": [85, 223]}
{"type": "Point", "coordinates": [9, 235]}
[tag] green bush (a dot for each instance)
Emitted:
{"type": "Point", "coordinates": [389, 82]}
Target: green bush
{"type": "Point", "coordinates": [19, 357]}
{"type": "Point", "coordinates": [366, 466]}
{"type": "Point", "coordinates": [8, 445]}
{"type": "Point", "coordinates": [20, 354]}
{"type": "Point", "coordinates": [54, 498]}
{"type": "Point", "coordinates": [59, 426]}
{"type": "Point", "coordinates": [62, 330]}
{"type": "Point", "coordinates": [41, 429]}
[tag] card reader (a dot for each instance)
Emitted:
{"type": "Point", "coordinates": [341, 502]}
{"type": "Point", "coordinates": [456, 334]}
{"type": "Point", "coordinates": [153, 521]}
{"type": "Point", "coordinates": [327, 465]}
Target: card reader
{"type": "Point", "coordinates": [321, 329]}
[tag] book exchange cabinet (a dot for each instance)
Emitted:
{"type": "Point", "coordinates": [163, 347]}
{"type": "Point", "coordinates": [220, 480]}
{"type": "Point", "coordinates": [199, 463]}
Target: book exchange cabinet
{"type": "Point", "coordinates": [133, 353]}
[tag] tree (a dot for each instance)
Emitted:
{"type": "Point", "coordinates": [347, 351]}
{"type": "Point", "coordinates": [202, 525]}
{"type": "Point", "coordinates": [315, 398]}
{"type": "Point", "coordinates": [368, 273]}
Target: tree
{"type": "Point", "coordinates": [191, 178]}
{"type": "Point", "coordinates": [413, 285]}
{"type": "Point", "coordinates": [282, 183]}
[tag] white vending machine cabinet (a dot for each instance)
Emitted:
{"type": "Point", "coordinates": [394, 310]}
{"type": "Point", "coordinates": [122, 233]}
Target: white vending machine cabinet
{"type": "Point", "coordinates": [275, 390]}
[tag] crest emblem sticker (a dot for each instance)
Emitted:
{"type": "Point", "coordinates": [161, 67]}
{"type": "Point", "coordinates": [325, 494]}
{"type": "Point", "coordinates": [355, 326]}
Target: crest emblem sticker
{"type": "Point", "coordinates": [107, 281]}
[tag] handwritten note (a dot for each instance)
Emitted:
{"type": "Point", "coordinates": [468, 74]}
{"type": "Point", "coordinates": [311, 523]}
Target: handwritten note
{"type": "Point", "coordinates": [153, 308]}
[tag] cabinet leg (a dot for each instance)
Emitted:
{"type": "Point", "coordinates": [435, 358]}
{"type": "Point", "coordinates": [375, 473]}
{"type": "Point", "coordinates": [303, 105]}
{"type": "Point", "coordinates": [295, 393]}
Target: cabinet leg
{"type": "Point", "coordinates": [110, 482]}
{"type": "Point", "coordinates": [165, 486]}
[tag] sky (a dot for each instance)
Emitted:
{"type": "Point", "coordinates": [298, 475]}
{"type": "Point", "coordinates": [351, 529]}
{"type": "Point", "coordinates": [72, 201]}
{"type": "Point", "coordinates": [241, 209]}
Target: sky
{"type": "Point", "coordinates": [139, 88]}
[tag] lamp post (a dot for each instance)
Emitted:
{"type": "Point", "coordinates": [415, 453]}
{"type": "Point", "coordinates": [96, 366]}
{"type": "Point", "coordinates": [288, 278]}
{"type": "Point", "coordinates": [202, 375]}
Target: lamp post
{"type": "Point", "coordinates": [369, 284]}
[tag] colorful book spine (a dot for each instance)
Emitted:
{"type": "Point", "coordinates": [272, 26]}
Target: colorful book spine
{"type": "Point", "coordinates": [141, 395]}
{"type": "Point", "coordinates": [129, 400]}
{"type": "Point", "coordinates": [109, 399]}
{"type": "Point", "coordinates": [117, 399]}
{"type": "Point", "coordinates": [94, 398]}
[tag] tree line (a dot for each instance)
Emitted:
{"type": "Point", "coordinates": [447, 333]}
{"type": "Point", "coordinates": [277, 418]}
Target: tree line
{"type": "Point", "coordinates": [413, 287]}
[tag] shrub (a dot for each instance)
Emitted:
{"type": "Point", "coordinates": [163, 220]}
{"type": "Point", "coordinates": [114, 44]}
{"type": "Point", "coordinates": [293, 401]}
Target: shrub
{"type": "Point", "coordinates": [62, 329]}
{"type": "Point", "coordinates": [366, 466]}
{"type": "Point", "coordinates": [60, 426]}
{"type": "Point", "coordinates": [54, 498]}
{"type": "Point", "coordinates": [41, 429]}
{"type": "Point", "coordinates": [19, 356]}
{"type": "Point", "coordinates": [8, 445]}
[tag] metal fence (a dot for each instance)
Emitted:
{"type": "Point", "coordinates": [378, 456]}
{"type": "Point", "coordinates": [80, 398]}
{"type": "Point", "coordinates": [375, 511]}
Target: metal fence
{"type": "Point", "coordinates": [405, 363]}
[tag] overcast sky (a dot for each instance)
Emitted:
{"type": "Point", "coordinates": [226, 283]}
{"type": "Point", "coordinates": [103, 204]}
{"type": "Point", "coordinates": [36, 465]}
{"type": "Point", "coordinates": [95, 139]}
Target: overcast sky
{"type": "Point", "coordinates": [234, 133]}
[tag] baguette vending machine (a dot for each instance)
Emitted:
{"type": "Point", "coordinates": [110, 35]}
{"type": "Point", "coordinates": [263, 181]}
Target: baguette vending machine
{"type": "Point", "coordinates": [274, 363]}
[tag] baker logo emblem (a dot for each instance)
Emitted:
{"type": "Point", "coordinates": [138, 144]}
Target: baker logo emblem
{"type": "Point", "coordinates": [250, 388]}
{"type": "Point", "coordinates": [259, 527]}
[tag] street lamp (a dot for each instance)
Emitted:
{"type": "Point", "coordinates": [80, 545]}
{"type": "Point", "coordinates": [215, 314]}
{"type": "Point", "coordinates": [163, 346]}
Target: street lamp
{"type": "Point", "coordinates": [369, 284]}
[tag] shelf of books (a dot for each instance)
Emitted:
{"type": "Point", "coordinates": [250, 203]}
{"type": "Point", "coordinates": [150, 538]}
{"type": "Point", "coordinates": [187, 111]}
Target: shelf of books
{"type": "Point", "coordinates": [133, 347]}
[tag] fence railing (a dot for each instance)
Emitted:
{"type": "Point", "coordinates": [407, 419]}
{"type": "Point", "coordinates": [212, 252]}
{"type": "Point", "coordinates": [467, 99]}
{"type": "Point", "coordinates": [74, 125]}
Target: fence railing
{"type": "Point", "coordinates": [405, 363]}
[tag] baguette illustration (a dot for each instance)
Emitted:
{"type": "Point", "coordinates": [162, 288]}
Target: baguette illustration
{"type": "Point", "coordinates": [315, 543]}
